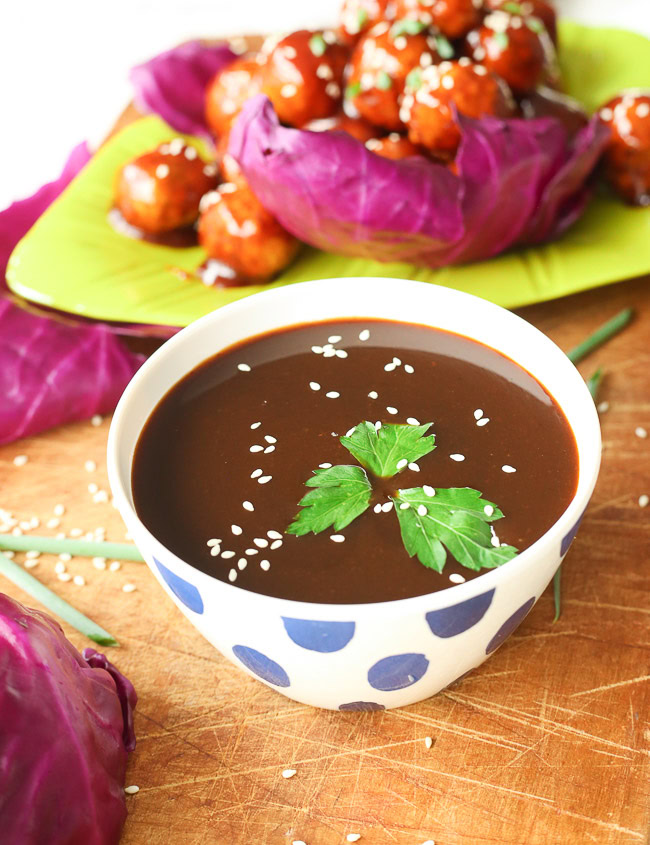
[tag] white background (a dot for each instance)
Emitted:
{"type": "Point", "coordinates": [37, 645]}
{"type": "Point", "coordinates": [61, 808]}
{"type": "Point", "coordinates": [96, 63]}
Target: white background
{"type": "Point", "coordinates": [64, 63]}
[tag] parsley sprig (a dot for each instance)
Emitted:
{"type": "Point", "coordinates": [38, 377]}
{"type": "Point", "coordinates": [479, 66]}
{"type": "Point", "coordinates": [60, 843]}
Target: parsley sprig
{"type": "Point", "coordinates": [433, 522]}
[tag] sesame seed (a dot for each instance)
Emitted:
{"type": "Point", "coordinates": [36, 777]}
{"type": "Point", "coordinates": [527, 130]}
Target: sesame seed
{"type": "Point", "coordinates": [428, 490]}
{"type": "Point", "coordinates": [387, 507]}
{"type": "Point", "coordinates": [325, 466]}
{"type": "Point", "coordinates": [324, 72]}
{"type": "Point", "coordinates": [317, 349]}
{"type": "Point", "coordinates": [114, 566]}
{"type": "Point", "coordinates": [606, 114]}
{"type": "Point", "coordinates": [377, 425]}
{"type": "Point", "coordinates": [99, 563]}
{"type": "Point", "coordinates": [479, 70]}
{"type": "Point", "coordinates": [97, 420]}
{"type": "Point", "coordinates": [391, 410]}
{"type": "Point", "coordinates": [242, 563]}
{"type": "Point", "coordinates": [270, 439]}
{"type": "Point", "coordinates": [232, 575]}
{"type": "Point", "coordinates": [79, 580]}
{"type": "Point", "coordinates": [162, 170]}
{"type": "Point", "coordinates": [264, 479]}
{"type": "Point", "coordinates": [256, 473]}
{"type": "Point", "coordinates": [350, 431]}
{"type": "Point", "coordinates": [483, 421]}
{"type": "Point", "coordinates": [243, 368]}
{"type": "Point", "coordinates": [329, 352]}
{"type": "Point", "coordinates": [643, 110]}
{"type": "Point", "coordinates": [508, 468]}
{"type": "Point", "coordinates": [377, 508]}
{"type": "Point", "coordinates": [288, 773]}
{"type": "Point", "coordinates": [341, 353]}
{"type": "Point", "coordinates": [354, 837]}
{"type": "Point", "coordinates": [250, 552]}
{"type": "Point", "coordinates": [641, 432]}
{"type": "Point", "coordinates": [274, 535]}
{"type": "Point", "coordinates": [256, 425]}
{"type": "Point", "coordinates": [59, 567]}
{"type": "Point", "coordinates": [428, 741]}
{"type": "Point", "coordinates": [269, 449]}
{"type": "Point", "coordinates": [298, 842]}
{"type": "Point", "coordinates": [100, 496]}
{"type": "Point", "coordinates": [404, 506]}
{"type": "Point", "coordinates": [64, 576]}
{"type": "Point", "coordinates": [33, 555]}
{"type": "Point", "coordinates": [215, 551]}
{"type": "Point", "coordinates": [190, 153]}
{"type": "Point", "coordinates": [602, 407]}
{"type": "Point", "coordinates": [457, 457]}
{"type": "Point", "coordinates": [53, 523]}
{"type": "Point", "coordinates": [364, 335]}
{"type": "Point", "coordinates": [20, 460]}
{"type": "Point", "coordinates": [335, 338]}
{"type": "Point", "coordinates": [456, 578]}
{"type": "Point", "coordinates": [402, 463]}
{"type": "Point", "coordinates": [478, 413]}
{"type": "Point", "coordinates": [408, 369]}
{"type": "Point", "coordinates": [214, 542]}
{"type": "Point", "coordinates": [131, 790]}
{"type": "Point", "coordinates": [414, 467]}
{"type": "Point", "coordinates": [422, 511]}
{"type": "Point", "coordinates": [389, 367]}
{"type": "Point", "coordinates": [337, 538]}
{"type": "Point", "coordinates": [261, 542]}
{"type": "Point", "coordinates": [16, 532]}
{"type": "Point", "coordinates": [265, 565]}
{"type": "Point", "coordinates": [227, 554]}
{"type": "Point", "coordinates": [644, 500]}
{"type": "Point", "coordinates": [93, 488]}
{"type": "Point", "coordinates": [314, 385]}
{"type": "Point", "coordinates": [66, 556]}
{"type": "Point", "coordinates": [256, 448]}
{"type": "Point", "coordinates": [275, 545]}
{"type": "Point", "coordinates": [373, 394]}
{"type": "Point", "coordinates": [412, 421]}
{"type": "Point", "coordinates": [8, 553]}
{"type": "Point", "coordinates": [488, 510]}
{"type": "Point", "coordinates": [236, 529]}
{"type": "Point", "coordinates": [332, 394]}
{"type": "Point", "coordinates": [288, 90]}
{"type": "Point", "coordinates": [30, 563]}
{"type": "Point", "coordinates": [129, 588]}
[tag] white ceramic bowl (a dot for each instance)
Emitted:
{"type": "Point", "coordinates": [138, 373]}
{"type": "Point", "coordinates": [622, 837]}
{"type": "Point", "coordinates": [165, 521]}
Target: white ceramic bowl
{"type": "Point", "coordinates": [367, 656]}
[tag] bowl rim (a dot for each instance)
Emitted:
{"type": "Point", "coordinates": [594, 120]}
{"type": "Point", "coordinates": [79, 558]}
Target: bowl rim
{"type": "Point", "coordinates": [446, 597]}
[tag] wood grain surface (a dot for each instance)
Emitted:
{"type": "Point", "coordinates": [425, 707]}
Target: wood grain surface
{"type": "Point", "coordinates": [546, 743]}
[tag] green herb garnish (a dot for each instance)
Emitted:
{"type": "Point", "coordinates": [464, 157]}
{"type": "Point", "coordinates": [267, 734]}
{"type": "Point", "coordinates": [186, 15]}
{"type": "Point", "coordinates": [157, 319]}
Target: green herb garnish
{"type": "Point", "coordinates": [383, 81]}
{"type": "Point", "coordinates": [444, 47]}
{"type": "Point", "coordinates": [414, 78]}
{"type": "Point", "coordinates": [55, 604]}
{"type": "Point", "coordinates": [317, 44]}
{"type": "Point", "coordinates": [501, 40]}
{"type": "Point", "coordinates": [362, 18]}
{"type": "Point", "coordinates": [77, 548]}
{"type": "Point", "coordinates": [593, 382]}
{"type": "Point", "coordinates": [407, 26]}
{"type": "Point", "coordinates": [535, 24]}
{"type": "Point", "coordinates": [601, 335]}
{"type": "Point", "coordinates": [432, 521]}
{"type": "Point", "coordinates": [352, 90]}
{"type": "Point", "coordinates": [513, 8]}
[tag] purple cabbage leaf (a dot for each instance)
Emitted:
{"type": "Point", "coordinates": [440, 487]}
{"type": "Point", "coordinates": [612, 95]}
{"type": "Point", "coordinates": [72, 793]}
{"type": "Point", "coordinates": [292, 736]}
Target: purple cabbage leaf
{"type": "Point", "coordinates": [67, 727]}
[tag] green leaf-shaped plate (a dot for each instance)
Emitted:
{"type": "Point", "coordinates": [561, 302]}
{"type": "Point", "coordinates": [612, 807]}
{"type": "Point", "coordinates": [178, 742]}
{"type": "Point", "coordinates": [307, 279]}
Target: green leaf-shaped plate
{"type": "Point", "coordinates": [74, 261]}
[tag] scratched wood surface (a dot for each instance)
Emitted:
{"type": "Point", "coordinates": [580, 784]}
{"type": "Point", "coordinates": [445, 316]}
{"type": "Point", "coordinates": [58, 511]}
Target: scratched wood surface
{"type": "Point", "coordinates": [548, 742]}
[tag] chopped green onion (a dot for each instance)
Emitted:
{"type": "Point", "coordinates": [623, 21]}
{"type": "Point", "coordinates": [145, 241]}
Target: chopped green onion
{"type": "Point", "coordinates": [501, 40]}
{"type": "Point", "coordinates": [414, 78]}
{"type": "Point", "coordinates": [407, 26]}
{"type": "Point", "coordinates": [317, 45]}
{"type": "Point", "coordinates": [513, 8]}
{"type": "Point", "coordinates": [535, 24]}
{"type": "Point", "coordinates": [601, 335]}
{"type": "Point", "coordinates": [362, 18]}
{"type": "Point", "coordinates": [33, 587]}
{"type": "Point", "coordinates": [76, 548]}
{"type": "Point", "coordinates": [383, 81]}
{"type": "Point", "coordinates": [593, 382]}
{"type": "Point", "coordinates": [444, 47]}
{"type": "Point", "coordinates": [352, 90]}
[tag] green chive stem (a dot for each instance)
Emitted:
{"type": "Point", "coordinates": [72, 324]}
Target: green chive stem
{"type": "Point", "coordinates": [76, 548]}
{"type": "Point", "coordinates": [594, 381]}
{"type": "Point", "coordinates": [33, 587]}
{"type": "Point", "coordinates": [601, 335]}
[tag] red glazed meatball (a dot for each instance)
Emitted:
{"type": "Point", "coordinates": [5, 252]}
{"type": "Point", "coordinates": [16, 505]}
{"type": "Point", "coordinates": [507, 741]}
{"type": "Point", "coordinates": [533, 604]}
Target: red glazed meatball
{"type": "Point", "coordinates": [357, 16]}
{"type": "Point", "coordinates": [230, 89]}
{"type": "Point", "coordinates": [454, 18]}
{"type": "Point", "coordinates": [538, 8]}
{"type": "Point", "coordinates": [379, 65]}
{"type": "Point", "coordinates": [236, 229]}
{"type": "Point", "coordinates": [393, 146]}
{"type": "Point", "coordinates": [303, 76]}
{"type": "Point", "coordinates": [627, 158]}
{"type": "Point", "coordinates": [161, 190]}
{"type": "Point", "coordinates": [517, 49]}
{"type": "Point", "coordinates": [359, 129]}
{"type": "Point", "coordinates": [430, 93]}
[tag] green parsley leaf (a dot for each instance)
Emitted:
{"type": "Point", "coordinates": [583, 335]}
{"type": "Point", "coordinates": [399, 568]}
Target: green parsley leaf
{"type": "Point", "coordinates": [407, 26]}
{"type": "Point", "coordinates": [383, 81]}
{"type": "Point", "coordinates": [317, 44]}
{"type": "Point", "coordinates": [342, 494]}
{"type": "Point", "coordinates": [381, 451]}
{"type": "Point", "coordinates": [352, 90]}
{"type": "Point", "coordinates": [414, 79]}
{"type": "Point", "coordinates": [444, 47]}
{"type": "Point", "coordinates": [455, 520]}
{"type": "Point", "coordinates": [501, 40]}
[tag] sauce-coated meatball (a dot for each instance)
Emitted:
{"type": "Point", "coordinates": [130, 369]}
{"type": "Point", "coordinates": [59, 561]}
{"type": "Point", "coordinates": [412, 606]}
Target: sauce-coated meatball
{"type": "Point", "coordinates": [358, 128]}
{"type": "Point", "coordinates": [357, 16]}
{"type": "Point", "coordinates": [538, 8]}
{"type": "Point", "coordinates": [161, 190]}
{"type": "Point", "coordinates": [627, 158]}
{"type": "Point", "coordinates": [230, 89]}
{"type": "Point", "coordinates": [303, 76]}
{"type": "Point", "coordinates": [516, 48]}
{"type": "Point", "coordinates": [430, 93]}
{"type": "Point", "coordinates": [454, 18]}
{"type": "Point", "coordinates": [379, 65]}
{"type": "Point", "coordinates": [236, 229]}
{"type": "Point", "coordinates": [393, 146]}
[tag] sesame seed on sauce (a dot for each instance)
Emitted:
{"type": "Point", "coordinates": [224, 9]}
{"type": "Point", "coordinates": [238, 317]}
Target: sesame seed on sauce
{"type": "Point", "coordinates": [373, 394]}
{"type": "Point", "coordinates": [247, 506]}
{"type": "Point", "coordinates": [457, 457]}
{"type": "Point", "coordinates": [325, 466]}
{"type": "Point", "coordinates": [337, 538]}
{"type": "Point", "coordinates": [265, 565]}
{"type": "Point", "coordinates": [350, 432]}
{"type": "Point", "coordinates": [236, 529]}
{"type": "Point", "coordinates": [242, 563]}
{"type": "Point", "coordinates": [276, 544]}
{"type": "Point", "coordinates": [324, 71]}
{"type": "Point", "coordinates": [414, 467]}
{"type": "Point", "coordinates": [389, 367]}
{"type": "Point", "coordinates": [341, 353]}
{"type": "Point", "coordinates": [364, 335]}
{"type": "Point", "coordinates": [402, 463]}
{"type": "Point", "coordinates": [314, 385]}
{"type": "Point", "coordinates": [274, 535]}
{"type": "Point", "coordinates": [243, 368]}
{"type": "Point", "coordinates": [456, 578]}
{"type": "Point", "coordinates": [408, 369]}
{"type": "Point", "coordinates": [333, 90]}
{"type": "Point", "coordinates": [377, 508]}
{"type": "Point", "coordinates": [269, 449]}
{"type": "Point", "coordinates": [289, 90]}
{"type": "Point", "coordinates": [250, 552]}
{"type": "Point", "coordinates": [478, 413]}
{"type": "Point", "coordinates": [214, 542]}
{"type": "Point", "coordinates": [377, 425]}
{"type": "Point", "coordinates": [256, 448]}
{"type": "Point", "coordinates": [422, 511]}
{"type": "Point", "coordinates": [332, 394]}
{"type": "Point", "coordinates": [162, 171]}
{"type": "Point", "coordinates": [232, 575]}
{"type": "Point", "coordinates": [428, 490]}
{"type": "Point", "coordinates": [270, 439]}
{"type": "Point", "coordinates": [256, 473]}
{"type": "Point", "coordinates": [261, 542]}
{"type": "Point", "coordinates": [483, 421]}
{"type": "Point", "coordinates": [264, 479]}
{"type": "Point", "coordinates": [318, 350]}
{"type": "Point", "coordinates": [508, 468]}
{"type": "Point", "coordinates": [391, 410]}
{"type": "Point", "coordinates": [227, 554]}
{"type": "Point", "coordinates": [387, 507]}
{"type": "Point", "coordinates": [412, 421]}
{"type": "Point", "coordinates": [190, 153]}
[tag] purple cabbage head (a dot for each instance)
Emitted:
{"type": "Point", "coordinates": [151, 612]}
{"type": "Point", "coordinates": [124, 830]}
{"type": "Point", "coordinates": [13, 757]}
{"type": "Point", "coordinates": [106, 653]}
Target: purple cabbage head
{"type": "Point", "coordinates": [66, 727]}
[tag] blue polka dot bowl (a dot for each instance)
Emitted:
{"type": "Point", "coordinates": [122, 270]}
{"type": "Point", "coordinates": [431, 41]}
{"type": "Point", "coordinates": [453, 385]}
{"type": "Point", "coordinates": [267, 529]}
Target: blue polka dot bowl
{"type": "Point", "coordinates": [366, 656]}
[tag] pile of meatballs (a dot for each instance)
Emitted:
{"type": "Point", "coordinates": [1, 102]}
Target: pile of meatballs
{"type": "Point", "coordinates": [394, 76]}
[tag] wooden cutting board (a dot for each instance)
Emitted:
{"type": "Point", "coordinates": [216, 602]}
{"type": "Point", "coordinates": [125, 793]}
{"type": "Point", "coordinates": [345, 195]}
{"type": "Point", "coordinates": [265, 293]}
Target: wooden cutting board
{"type": "Point", "coordinates": [547, 743]}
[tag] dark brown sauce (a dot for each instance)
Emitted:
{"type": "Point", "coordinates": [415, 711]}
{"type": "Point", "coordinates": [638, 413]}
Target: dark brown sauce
{"type": "Point", "coordinates": [192, 467]}
{"type": "Point", "coordinates": [181, 238]}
